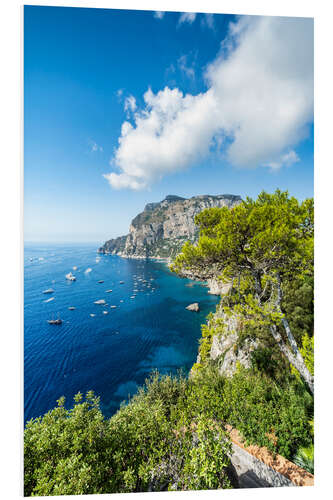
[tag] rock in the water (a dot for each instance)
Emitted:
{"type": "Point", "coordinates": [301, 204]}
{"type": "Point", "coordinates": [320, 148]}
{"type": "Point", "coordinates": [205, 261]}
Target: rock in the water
{"type": "Point", "coordinates": [193, 307]}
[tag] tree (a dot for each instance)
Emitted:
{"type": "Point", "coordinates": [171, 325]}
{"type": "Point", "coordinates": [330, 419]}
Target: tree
{"type": "Point", "coordinates": [259, 246]}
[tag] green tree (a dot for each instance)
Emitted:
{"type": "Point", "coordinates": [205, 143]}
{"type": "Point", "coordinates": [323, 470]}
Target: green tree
{"type": "Point", "coordinates": [259, 245]}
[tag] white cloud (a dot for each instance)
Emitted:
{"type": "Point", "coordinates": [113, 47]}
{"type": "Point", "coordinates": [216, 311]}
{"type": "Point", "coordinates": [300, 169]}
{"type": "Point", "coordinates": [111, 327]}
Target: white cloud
{"type": "Point", "coordinates": [185, 67]}
{"type": "Point", "coordinates": [287, 159]}
{"type": "Point", "coordinates": [187, 17]}
{"type": "Point", "coordinates": [256, 109]}
{"type": "Point", "coordinates": [159, 14]}
{"type": "Point", "coordinates": [130, 104]}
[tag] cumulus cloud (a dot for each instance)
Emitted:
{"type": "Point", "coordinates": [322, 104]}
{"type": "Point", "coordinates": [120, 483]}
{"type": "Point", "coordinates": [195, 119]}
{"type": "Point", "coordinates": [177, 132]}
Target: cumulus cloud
{"type": "Point", "coordinates": [257, 106]}
{"type": "Point", "coordinates": [159, 14]}
{"type": "Point", "coordinates": [187, 17]}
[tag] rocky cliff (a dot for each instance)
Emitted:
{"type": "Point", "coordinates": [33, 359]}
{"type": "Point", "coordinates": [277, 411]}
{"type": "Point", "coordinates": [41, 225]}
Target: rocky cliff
{"type": "Point", "coordinates": [162, 228]}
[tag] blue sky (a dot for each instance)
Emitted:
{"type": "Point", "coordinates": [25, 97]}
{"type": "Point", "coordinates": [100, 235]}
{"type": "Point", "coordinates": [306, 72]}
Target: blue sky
{"type": "Point", "coordinates": [229, 110]}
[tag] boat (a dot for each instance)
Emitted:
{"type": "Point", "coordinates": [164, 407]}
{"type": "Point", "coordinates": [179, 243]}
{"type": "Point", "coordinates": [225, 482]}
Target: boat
{"type": "Point", "coordinates": [100, 281]}
{"type": "Point", "coordinates": [71, 308]}
{"type": "Point", "coordinates": [105, 312]}
{"type": "Point", "coordinates": [92, 315]}
{"type": "Point", "coordinates": [70, 276]}
{"type": "Point", "coordinates": [108, 291]}
{"type": "Point", "coordinates": [121, 282]}
{"type": "Point", "coordinates": [100, 302]}
{"type": "Point", "coordinates": [113, 307]}
{"type": "Point", "coordinates": [49, 290]}
{"type": "Point", "coordinates": [48, 300]}
{"type": "Point", "coordinates": [74, 268]}
{"type": "Point", "coordinates": [54, 321]}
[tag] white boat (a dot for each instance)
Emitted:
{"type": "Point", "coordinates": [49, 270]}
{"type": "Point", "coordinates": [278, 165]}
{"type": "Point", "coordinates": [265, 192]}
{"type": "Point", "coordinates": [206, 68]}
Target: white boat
{"type": "Point", "coordinates": [113, 307]}
{"type": "Point", "coordinates": [100, 302]}
{"type": "Point", "coordinates": [121, 282]}
{"type": "Point", "coordinates": [54, 321]}
{"type": "Point", "coordinates": [49, 300]}
{"type": "Point", "coordinates": [70, 276]}
{"type": "Point", "coordinates": [74, 268]}
{"type": "Point", "coordinates": [105, 312]}
{"type": "Point", "coordinates": [49, 290]}
{"type": "Point", "coordinates": [71, 308]}
{"type": "Point", "coordinates": [108, 291]}
{"type": "Point", "coordinates": [92, 315]}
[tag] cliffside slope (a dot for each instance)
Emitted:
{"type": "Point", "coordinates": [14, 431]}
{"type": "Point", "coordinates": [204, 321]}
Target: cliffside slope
{"type": "Point", "coordinates": [162, 228]}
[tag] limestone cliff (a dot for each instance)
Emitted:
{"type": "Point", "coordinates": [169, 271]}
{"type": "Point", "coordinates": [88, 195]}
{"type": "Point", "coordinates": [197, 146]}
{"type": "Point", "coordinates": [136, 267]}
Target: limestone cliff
{"type": "Point", "coordinates": [162, 228]}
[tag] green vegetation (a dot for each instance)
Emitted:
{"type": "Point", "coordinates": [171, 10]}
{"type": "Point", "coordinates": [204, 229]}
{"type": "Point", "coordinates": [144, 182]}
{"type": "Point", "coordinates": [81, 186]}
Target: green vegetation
{"type": "Point", "coordinates": [265, 247]}
{"type": "Point", "coordinates": [171, 434]}
{"type": "Point", "coordinates": [158, 441]}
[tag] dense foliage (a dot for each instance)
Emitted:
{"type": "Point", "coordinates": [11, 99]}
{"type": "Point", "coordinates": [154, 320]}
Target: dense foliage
{"type": "Point", "coordinates": [158, 441]}
{"type": "Point", "coordinates": [264, 247]}
{"type": "Point", "coordinates": [170, 435]}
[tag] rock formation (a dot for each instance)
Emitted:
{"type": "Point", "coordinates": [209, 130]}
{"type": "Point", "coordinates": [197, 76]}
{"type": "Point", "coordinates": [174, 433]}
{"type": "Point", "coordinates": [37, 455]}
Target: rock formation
{"type": "Point", "coordinates": [193, 307]}
{"type": "Point", "coordinates": [162, 228]}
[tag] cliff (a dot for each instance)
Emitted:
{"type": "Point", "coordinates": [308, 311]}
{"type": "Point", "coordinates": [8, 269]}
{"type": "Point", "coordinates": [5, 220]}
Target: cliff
{"type": "Point", "coordinates": [162, 228]}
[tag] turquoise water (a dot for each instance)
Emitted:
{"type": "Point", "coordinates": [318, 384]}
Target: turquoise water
{"type": "Point", "coordinates": [109, 353]}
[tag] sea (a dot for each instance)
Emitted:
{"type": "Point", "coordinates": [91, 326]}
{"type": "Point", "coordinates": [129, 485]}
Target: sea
{"type": "Point", "coordinates": [110, 350]}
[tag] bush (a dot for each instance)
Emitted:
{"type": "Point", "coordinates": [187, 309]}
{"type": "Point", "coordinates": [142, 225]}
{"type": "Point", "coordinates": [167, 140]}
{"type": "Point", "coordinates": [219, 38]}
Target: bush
{"type": "Point", "coordinates": [157, 442]}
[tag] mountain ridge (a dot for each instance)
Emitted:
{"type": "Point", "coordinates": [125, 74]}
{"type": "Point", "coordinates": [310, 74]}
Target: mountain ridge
{"type": "Point", "coordinates": [160, 231]}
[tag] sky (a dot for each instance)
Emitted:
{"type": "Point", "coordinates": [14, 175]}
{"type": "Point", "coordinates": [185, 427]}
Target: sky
{"type": "Point", "coordinates": [122, 108]}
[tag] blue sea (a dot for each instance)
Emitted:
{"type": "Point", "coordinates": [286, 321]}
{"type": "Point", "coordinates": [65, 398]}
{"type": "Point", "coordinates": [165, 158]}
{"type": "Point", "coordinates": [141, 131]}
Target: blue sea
{"type": "Point", "coordinates": [112, 353]}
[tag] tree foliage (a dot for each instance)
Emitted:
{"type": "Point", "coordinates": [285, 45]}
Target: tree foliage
{"type": "Point", "coordinates": [265, 248]}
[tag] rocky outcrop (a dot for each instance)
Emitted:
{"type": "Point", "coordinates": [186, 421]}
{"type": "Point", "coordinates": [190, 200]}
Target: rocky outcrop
{"type": "Point", "coordinates": [162, 228]}
{"type": "Point", "coordinates": [225, 347]}
{"type": "Point", "coordinates": [193, 307]}
{"type": "Point", "coordinates": [217, 287]}
{"type": "Point", "coordinates": [226, 350]}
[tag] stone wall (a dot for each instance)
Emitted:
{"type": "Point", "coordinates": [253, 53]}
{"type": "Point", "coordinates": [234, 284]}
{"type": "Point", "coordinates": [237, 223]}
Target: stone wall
{"type": "Point", "coordinates": [256, 467]}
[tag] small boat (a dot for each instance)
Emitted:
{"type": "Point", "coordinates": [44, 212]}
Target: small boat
{"type": "Point", "coordinates": [100, 302]}
{"type": "Point", "coordinates": [54, 321]}
{"type": "Point", "coordinates": [100, 281]}
{"type": "Point", "coordinates": [105, 312]}
{"type": "Point", "coordinates": [113, 307]}
{"type": "Point", "coordinates": [49, 290]}
{"type": "Point", "coordinates": [121, 282]}
{"type": "Point", "coordinates": [70, 277]}
{"type": "Point", "coordinates": [108, 291]}
{"type": "Point", "coordinates": [92, 315]}
{"type": "Point", "coordinates": [48, 300]}
{"type": "Point", "coordinates": [74, 268]}
{"type": "Point", "coordinates": [121, 301]}
{"type": "Point", "coordinates": [133, 297]}
{"type": "Point", "coordinates": [71, 308]}
{"type": "Point", "coordinates": [88, 270]}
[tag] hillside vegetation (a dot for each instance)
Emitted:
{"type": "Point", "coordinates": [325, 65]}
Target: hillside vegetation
{"type": "Point", "coordinates": [171, 434]}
